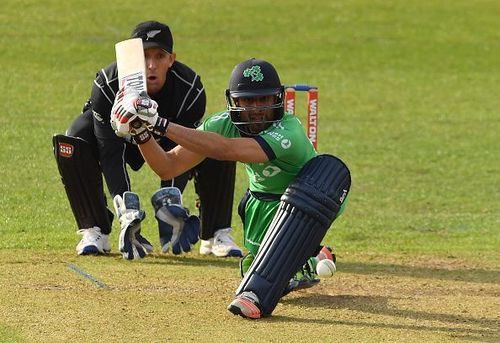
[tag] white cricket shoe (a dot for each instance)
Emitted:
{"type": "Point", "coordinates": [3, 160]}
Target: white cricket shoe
{"type": "Point", "coordinates": [206, 246]}
{"type": "Point", "coordinates": [221, 245]}
{"type": "Point", "coordinates": [93, 242]}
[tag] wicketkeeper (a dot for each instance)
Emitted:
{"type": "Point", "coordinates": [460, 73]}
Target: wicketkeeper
{"type": "Point", "coordinates": [294, 195]}
{"type": "Point", "coordinates": [90, 149]}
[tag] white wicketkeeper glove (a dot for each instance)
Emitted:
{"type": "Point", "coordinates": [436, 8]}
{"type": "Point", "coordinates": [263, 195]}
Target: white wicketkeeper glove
{"type": "Point", "coordinates": [131, 243]}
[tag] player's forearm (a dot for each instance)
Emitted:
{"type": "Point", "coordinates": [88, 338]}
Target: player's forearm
{"type": "Point", "coordinates": [204, 143]}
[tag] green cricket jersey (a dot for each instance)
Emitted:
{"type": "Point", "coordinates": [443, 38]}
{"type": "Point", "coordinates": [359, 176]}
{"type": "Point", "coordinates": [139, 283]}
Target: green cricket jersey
{"type": "Point", "coordinates": [285, 143]}
{"type": "Point", "coordinates": [288, 149]}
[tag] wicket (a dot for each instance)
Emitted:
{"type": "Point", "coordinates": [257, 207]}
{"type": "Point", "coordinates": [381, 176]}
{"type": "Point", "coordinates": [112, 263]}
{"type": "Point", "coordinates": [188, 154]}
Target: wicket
{"type": "Point", "coordinates": [312, 108]}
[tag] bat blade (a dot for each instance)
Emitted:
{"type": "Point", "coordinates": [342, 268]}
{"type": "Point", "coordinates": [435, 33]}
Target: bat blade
{"type": "Point", "coordinates": [131, 64]}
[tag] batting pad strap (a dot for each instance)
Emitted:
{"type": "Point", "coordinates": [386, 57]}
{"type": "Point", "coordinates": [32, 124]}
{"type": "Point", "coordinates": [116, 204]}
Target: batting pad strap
{"type": "Point", "coordinates": [308, 207]}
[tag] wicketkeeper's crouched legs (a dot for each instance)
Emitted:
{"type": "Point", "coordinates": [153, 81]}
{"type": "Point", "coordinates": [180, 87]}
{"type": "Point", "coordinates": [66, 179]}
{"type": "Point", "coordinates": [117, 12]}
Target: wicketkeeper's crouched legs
{"type": "Point", "coordinates": [214, 184]}
{"type": "Point", "coordinates": [82, 179]}
{"type": "Point", "coordinates": [308, 207]}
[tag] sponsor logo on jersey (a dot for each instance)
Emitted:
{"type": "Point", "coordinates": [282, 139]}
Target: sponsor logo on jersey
{"type": "Point", "coordinates": [277, 136]}
{"type": "Point", "coordinates": [66, 150]}
{"type": "Point", "coordinates": [270, 171]}
{"type": "Point", "coordinates": [278, 125]}
{"type": "Point", "coordinates": [220, 116]}
{"type": "Point", "coordinates": [286, 143]}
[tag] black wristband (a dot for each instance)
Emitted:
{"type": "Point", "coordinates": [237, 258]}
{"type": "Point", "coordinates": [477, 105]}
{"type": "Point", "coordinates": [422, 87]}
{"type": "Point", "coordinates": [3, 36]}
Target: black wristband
{"type": "Point", "coordinates": [161, 126]}
{"type": "Point", "coordinates": [142, 137]}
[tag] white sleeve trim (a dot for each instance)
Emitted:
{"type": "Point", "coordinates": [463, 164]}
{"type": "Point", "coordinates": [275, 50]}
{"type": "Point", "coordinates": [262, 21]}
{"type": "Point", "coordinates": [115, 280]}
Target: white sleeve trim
{"type": "Point", "coordinates": [191, 86]}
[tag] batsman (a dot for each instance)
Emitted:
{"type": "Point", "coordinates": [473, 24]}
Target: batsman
{"type": "Point", "coordinates": [90, 149]}
{"type": "Point", "coordinates": [294, 194]}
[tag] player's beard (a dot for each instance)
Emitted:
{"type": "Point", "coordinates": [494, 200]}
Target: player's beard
{"type": "Point", "coordinates": [257, 122]}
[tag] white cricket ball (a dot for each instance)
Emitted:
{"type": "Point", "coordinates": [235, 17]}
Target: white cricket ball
{"type": "Point", "coordinates": [325, 268]}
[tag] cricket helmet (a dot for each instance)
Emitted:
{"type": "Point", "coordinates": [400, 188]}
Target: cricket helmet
{"type": "Point", "coordinates": [249, 79]}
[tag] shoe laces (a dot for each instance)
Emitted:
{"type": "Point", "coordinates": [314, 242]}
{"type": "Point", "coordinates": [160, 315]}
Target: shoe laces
{"type": "Point", "coordinates": [91, 234]}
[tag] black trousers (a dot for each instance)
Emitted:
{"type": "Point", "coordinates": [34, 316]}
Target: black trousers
{"type": "Point", "coordinates": [214, 180]}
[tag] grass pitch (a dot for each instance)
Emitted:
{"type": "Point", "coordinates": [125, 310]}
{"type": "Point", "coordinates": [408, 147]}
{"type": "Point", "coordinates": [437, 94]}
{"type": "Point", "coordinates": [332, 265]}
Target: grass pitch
{"type": "Point", "coordinates": [408, 99]}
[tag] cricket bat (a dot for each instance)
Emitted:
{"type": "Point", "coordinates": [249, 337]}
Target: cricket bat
{"type": "Point", "coordinates": [131, 64]}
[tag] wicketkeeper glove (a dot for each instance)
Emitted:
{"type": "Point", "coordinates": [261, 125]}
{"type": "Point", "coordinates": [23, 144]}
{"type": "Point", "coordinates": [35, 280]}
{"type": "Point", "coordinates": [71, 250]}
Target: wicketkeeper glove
{"type": "Point", "coordinates": [178, 230]}
{"type": "Point", "coordinates": [189, 235]}
{"type": "Point", "coordinates": [131, 243]}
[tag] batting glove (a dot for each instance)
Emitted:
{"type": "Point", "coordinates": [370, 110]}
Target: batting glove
{"type": "Point", "coordinates": [145, 108]}
{"type": "Point", "coordinates": [124, 119]}
{"type": "Point", "coordinates": [131, 243]}
{"type": "Point", "coordinates": [147, 112]}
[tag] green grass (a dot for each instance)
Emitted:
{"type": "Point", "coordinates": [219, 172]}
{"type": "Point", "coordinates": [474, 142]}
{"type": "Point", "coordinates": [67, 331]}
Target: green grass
{"type": "Point", "coordinates": [408, 99]}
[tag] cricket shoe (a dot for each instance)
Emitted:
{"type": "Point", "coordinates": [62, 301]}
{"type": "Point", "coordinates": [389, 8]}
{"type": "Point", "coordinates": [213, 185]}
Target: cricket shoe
{"type": "Point", "coordinates": [93, 242]}
{"type": "Point", "coordinates": [246, 305]}
{"type": "Point", "coordinates": [221, 245]}
{"type": "Point", "coordinates": [206, 246]}
{"type": "Point", "coordinates": [307, 277]}
{"type": "Point", "coordinates": [326, 253]}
